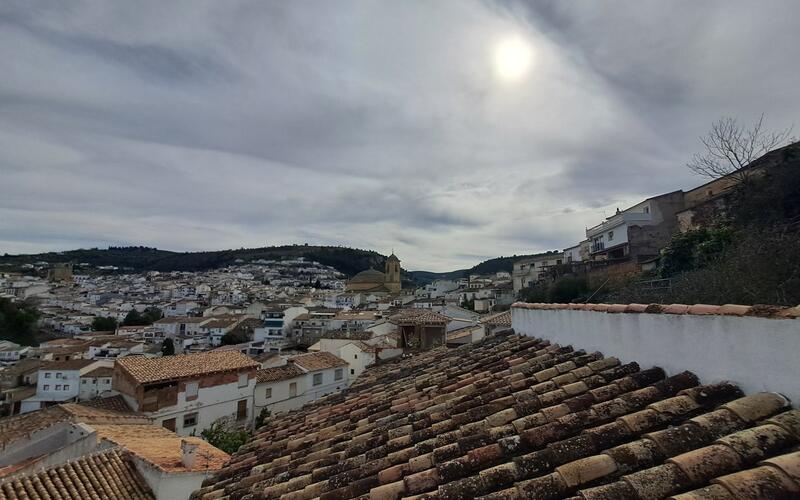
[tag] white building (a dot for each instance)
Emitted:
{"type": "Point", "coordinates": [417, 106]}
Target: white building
{"type": "Point", "coordinates": [304, 378]}
{"type": "Point", "coordinates": [59, 382]}
{"type": "Point", "coordinates": [188, 393]}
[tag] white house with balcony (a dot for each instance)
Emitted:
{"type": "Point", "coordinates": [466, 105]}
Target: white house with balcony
{"type": "Point", "coordinates": [640, 231]}
{"type": "Point", "coordinates": [188, 393]}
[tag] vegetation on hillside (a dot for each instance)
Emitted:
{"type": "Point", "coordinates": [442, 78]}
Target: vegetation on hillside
{"type": "Point", "coordinates": [490, 266]}
{"type": "Point", "coordinates": [225, 437]}
{"type": "Point", "coordinates": [18, 321]}
{"type": "Point", "coordinates": [137, 258]}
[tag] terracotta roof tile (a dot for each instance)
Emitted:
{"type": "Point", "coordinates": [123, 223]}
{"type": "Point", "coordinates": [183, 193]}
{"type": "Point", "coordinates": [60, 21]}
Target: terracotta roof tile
{"type": "Point", "coordinates": [276, 373]}
{"type": "Point", "coordinates": [314, 361]}
{"type": "Point", "coordinates": [144, 369]}
{"type": "Point", "coordinates": [514, 417]}
{"type": "Point", "coordinates": [765, 311]}
{"type": "Point", "coordinates": [107, 475]}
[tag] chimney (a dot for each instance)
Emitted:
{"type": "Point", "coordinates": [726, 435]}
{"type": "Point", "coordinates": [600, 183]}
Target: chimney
{"type": "Point", "coordinates": [189, 454]}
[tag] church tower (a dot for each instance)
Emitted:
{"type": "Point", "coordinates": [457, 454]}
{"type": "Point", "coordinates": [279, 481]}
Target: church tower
{"type": "Point", "coordinates": [393, 283]}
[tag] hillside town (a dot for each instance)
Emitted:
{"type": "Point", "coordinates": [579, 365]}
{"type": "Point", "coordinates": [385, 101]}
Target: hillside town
{"type": "Point", "coordinates": [399, 250]}
{"type": "Point", "coordinates": [232, 350]}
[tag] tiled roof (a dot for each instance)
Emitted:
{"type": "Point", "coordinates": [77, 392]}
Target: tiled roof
{"type": "Point", "coordinates": [418, 317]}
{"type": "Point", "coordinates": [276, 373]}
{"type": "Point", "coordinates": [162, 447]}
{"type": "Point", "coordinates": [314, 361]}
{"type": "Point", "coordinates": [499, 319]}
{"type": "Point", "coordinates": [72, 364]}
{"type": "Point", "coordinates": [145, 370]}
{"type": "Point", "coordinates": [107, 475]}
{"type": "Point", "coordinates": [515, 417]}
{"type": "Point", "coordinates": [761, 311]}
{"type": "Point", "coordinates": [21, 426]}
{"type": "Point", "coordinates": [115, 403]}
{"type": "Point", "coordinates": [102, 371]}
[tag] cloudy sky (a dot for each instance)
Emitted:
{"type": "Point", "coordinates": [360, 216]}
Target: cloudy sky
{"type": "Point", "coordinates": [451, 131]}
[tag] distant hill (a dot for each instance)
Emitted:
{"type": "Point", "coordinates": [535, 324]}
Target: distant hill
{"type": "Point", "coordinates": [490, 266]}
{"type": "Point", "coordinates": [346, 260]}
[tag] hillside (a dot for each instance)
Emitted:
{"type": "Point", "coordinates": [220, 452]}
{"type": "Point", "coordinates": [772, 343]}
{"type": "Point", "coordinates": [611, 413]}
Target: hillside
{"type": "Point", "coordinates": [347, 260]}
{"type": "Point", "coordinates": [490, 266]}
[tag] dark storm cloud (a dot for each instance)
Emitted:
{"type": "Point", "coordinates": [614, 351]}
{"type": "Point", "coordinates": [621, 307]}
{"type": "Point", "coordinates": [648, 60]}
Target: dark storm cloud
{"type": "Point", "coordinates": [194, 125]}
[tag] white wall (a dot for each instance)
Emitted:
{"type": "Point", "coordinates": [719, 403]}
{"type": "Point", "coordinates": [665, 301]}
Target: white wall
{"type": "Point", "coordinates": [169, 486]}
{"type": "Point", "coordinates": [759, 354]}
{"type": "Point", "coordinates": [212, 403]}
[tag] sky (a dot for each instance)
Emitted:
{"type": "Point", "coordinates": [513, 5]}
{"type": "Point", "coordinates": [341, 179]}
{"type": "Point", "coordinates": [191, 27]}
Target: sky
{"type": "Point", "coordinates": [450, 131]}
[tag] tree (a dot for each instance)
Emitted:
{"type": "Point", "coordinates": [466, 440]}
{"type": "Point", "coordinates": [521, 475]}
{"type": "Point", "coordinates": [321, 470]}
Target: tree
{"type": "Point", "coordinates": [224, 438]}
{"type": "Point", "coordinates": [235, 336]}
{"type": "Point", "coordinates": [18, 321]}
{"type": "Point", "coordinates": [101, 324]}
{"type": "Point", "coordinates": [262, 417]}
{"type": "Point", "coordinates": [730, 146]}
{"type": "Point", "coordinates": [152, 314]}
{"type": "Point", "coordinates": [134, 318]}
{"type": "Point", "coordinates": [168, 347]}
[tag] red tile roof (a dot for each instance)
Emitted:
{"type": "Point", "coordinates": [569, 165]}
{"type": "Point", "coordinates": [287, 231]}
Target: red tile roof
{"type": "Point", "coordinates": [418, 316]}
{"type": "Point", "coordinates": [107, 475]}
{"type": "Point", "coordinates": [276, 373]}
{"type": "Point", "coordinates": [145, 370]}
{"type": "Point", "coordinates": [314, 361]}
{"type": "Point", "coordinates": [514, 417]}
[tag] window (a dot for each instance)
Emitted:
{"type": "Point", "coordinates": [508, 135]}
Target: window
{"type": "Point", "coordinates": [46, 374]}
{"type": "Point", "coordinates": [268, 392]}
{"type": "Point", "coordinates": [190, 420]}
{"type": "Point", "coordinates": [242, 380]}
{"type": "Point", "coordinates": [355, 356]}
{"type": "Point", "coordinates": [241, 410]}
{"type": "Point", "coordinates": [46, 387]}
{"type": "Point", "coordinates": [647, 210]}
{"type": "Point", "coordinates": [352, 371]}
{"type": "Point", "coordinates": [84, 381]}
{"type": "Point", "coordinates": [191, 390]}
{"type": "Point", "coordinates": [338, 374]}
{"type": "Point", "coordinates": [293, 389]}
{"type": "Point", "coordinates": [66, 387]}
{"type": "Point", "coordinates": [610, 235]}
{"type": "Point", "coordinates": [58, 387]}
{"type": "Point", "coordinates": [169, 424]}
{"type": "Point", "coordinates": [58, 374]}
{"type": "Point", "coordinates": [317, 379]}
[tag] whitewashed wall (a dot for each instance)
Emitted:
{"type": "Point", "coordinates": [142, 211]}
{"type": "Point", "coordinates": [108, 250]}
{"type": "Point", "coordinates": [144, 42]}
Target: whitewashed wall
{"type": "Point", "coordinates": [759, 354]}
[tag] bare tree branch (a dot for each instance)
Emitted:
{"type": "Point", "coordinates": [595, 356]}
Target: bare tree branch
{"type": "Point", "coordinates": [729, 147]}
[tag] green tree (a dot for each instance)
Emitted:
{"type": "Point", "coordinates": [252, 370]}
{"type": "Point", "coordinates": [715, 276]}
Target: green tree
{"type": "Point", "coordinates": [18, 321]}
{"type": "Point", "coordinates": [134, 318]}
{"type": "Point", "coordinates": [168, 347]}
{"type": "Point", "coordinates": [262, 417]}
{"type": "Point", "coordinates": [226, 439]}
{"type": "Point", "coordinates": [235, 336]}
{"type": "Point", "coordinates": [101, 324]}
{"type": "Point", "coordinates": [152, 314]}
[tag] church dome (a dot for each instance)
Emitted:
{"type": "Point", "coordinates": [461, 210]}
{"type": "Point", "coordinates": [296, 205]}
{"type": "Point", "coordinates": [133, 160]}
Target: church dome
{"type": "Point", "coordinates": [368, 276]}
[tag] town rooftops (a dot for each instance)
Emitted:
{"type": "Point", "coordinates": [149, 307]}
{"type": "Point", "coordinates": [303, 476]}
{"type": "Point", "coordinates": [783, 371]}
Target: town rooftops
{"type": "Point", "coordinates": [72, 364]}
{"type": "Point", "coordinates": [514, 417]}
{"type": "Point", "coordinates": [108, 475]}
{"type": "Point", "coordinates": [145, 370]}
{"type": "Point", "coordinates": [418, 317]}
{"type": "Point", "coordinates": [162, 447]}
{"type": "Point", "coordinates": [315, 361]}
{"type": "Point", "coordinates": [277, 373]}
{"type": "Point", "coordinates": [21, 426]}
{"type": "Point", "coordinates": [498, 319]}
{"type": "Point", "coordinates": [180, 319]}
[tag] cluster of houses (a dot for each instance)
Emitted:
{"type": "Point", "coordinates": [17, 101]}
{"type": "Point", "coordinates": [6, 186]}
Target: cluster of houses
{"type": "Point", "coordinates": [629, 241]}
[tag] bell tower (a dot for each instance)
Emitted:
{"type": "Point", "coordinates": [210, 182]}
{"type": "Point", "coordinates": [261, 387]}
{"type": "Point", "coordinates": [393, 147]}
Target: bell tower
{"type": "Point", "coordinates": [393, 283]}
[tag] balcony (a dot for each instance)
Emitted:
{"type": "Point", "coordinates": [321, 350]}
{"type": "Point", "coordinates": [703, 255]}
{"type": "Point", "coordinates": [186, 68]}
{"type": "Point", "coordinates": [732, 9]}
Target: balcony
{"type": "Point", "coordinates": [617, 220]}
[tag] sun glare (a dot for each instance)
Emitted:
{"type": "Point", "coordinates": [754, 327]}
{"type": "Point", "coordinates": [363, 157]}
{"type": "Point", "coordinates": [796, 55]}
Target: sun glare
{"type": "Point", "coordinates": [512, 58]}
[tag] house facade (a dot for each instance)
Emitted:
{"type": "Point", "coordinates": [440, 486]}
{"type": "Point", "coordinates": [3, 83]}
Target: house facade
{"type": "Point", "coordinates": [188, 393]}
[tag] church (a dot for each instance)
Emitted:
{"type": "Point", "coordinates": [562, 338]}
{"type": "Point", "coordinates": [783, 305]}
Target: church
{"type": "Point", "coordinates": [374, 281]}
